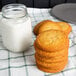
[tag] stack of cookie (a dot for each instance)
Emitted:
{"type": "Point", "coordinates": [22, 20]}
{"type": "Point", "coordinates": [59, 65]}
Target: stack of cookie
{"type": "Point", "coordinates": [51, 50]}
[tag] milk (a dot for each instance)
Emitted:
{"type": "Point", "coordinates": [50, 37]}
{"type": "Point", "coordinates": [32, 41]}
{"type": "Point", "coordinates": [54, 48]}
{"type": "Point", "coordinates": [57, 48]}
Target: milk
{"type": "Point", "coordinates": [16, 32]}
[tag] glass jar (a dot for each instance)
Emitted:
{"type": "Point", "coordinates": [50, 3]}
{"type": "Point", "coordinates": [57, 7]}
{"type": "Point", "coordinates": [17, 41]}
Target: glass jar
{"type": "Point", "coordinates": [16, 27]}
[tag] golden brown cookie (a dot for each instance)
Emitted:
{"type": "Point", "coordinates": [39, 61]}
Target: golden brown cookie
{"type": "Point", "coordinates": [52, 40]}
{"type": "Point", "coordinates": [53, 65]}
{"type": "Point", "coordinates": [44, 53]}
{"type": "Point", "coordinates": [65, 27]}
{"type": "Point", "coordinates": [36, 28]}
{"type": "Point", "coordinates": [51, 59]}
{"type": "Point", "coordinates": [50, 70]}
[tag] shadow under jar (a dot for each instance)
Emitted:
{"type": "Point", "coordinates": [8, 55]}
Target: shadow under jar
{"type": "Point", "coordinates": [16, 27]}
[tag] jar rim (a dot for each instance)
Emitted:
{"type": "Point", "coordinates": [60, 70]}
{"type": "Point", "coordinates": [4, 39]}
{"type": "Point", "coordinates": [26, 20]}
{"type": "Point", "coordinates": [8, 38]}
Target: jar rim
{"type": "Point", "coordinates": [14, 8]}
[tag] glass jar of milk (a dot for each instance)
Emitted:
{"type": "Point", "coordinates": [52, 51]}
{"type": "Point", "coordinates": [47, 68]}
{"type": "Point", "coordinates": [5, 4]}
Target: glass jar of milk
{"type": "Point", "coordinates": [16, 27]}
